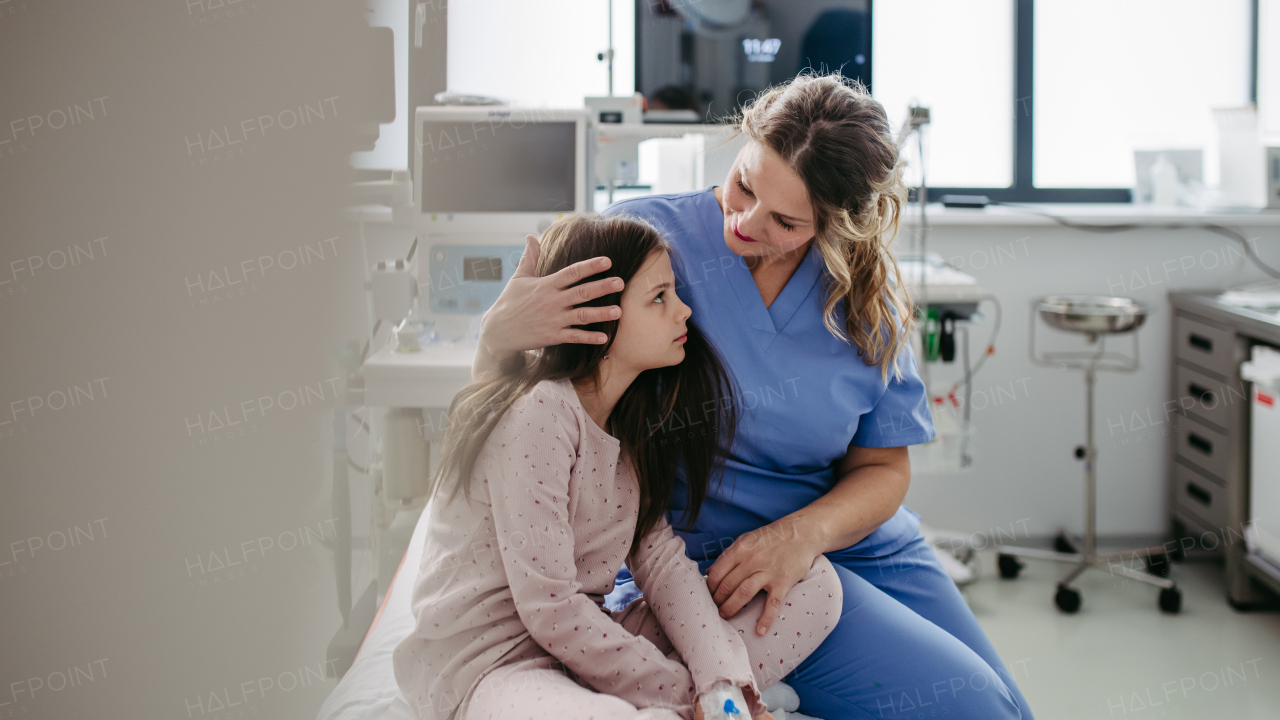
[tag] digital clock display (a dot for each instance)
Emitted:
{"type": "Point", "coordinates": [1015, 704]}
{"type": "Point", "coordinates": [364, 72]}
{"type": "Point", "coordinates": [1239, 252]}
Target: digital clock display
{"type": "Point", "coordinates": [482, 268]}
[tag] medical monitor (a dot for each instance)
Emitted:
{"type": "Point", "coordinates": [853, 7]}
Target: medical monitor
{"type": "Point", "coordinates": [507, 161]}
{"type": "Point", "coordinates": [483, 177]}
{"type": "Point", "coordinates": [714, 56]}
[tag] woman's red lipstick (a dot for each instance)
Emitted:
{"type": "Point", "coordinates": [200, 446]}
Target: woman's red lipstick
{"type": "Point", "coordinates": [742, 237]}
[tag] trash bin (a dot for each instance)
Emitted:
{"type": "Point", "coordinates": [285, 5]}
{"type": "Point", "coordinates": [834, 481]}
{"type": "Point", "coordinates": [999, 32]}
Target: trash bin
{"type": "Point", "coordinates": [1263, 530]}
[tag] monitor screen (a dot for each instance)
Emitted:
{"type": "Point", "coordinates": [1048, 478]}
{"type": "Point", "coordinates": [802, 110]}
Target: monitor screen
{"type": "Point", "coordinates": [713, 57]}
{"type": "Point", "coordinates": [504, 167]}
{"type": "Point", "coordinates": [481, 268]}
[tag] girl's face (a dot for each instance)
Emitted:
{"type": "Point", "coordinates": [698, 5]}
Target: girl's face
{"type": "Point", "coordinates": [651, 331]}
{"type": "Point", "coordinates": [766, 205]}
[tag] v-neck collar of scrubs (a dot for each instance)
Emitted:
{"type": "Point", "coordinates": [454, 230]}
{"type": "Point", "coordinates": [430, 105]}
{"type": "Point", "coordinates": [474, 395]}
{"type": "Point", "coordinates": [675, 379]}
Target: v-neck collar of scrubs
{"type": "Point", "coordinates": [774, 318]}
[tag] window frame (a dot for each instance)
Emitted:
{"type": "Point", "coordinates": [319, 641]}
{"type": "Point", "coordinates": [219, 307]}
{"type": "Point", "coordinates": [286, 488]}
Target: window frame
{"type": "Point", "coordinates": [1023, 188]}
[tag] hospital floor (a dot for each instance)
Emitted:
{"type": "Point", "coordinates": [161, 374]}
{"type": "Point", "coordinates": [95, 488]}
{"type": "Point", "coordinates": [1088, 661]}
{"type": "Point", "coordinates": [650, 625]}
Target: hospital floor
{"type": "Point", "coordinates": [1119, 657]}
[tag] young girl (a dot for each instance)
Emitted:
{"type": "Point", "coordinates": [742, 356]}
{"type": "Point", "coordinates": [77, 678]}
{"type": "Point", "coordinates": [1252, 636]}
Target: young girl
{"type": "Point", "coordinates": [565, 463]}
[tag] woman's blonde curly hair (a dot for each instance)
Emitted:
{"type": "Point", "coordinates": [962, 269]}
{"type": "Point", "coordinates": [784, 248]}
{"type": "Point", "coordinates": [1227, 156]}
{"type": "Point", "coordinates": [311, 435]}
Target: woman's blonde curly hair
{"type": "Point", "coordinates": [837, 139]}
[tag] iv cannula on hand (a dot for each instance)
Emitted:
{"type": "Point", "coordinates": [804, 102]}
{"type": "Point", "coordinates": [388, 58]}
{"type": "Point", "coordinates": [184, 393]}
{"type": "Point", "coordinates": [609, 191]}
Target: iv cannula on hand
{"type": "Point", "coordinates": [724, 702]}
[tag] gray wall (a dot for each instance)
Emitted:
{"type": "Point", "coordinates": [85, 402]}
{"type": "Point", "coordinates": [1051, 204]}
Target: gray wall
{"type": "Point", "coordinates": [172, 254]}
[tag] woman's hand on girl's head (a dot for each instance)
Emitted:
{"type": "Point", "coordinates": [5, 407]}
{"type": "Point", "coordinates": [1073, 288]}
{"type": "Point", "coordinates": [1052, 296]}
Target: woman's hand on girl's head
{"type": "Point", "coordinates": [534, 312]}
{"type": "Point", "coordinates": [772, 558]}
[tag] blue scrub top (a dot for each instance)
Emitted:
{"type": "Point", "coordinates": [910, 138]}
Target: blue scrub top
{"type": "Point", "coordinates": [805, 395]}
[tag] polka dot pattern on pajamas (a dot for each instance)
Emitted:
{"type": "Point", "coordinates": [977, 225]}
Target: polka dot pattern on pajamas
{"type": "Point", "coordinates": [509, 598]}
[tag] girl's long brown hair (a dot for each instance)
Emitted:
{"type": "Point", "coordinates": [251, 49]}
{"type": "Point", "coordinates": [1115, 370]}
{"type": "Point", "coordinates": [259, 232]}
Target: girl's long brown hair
{"type": "Point", "coordinates": [837, 139]}
{"type": "Point", "coordinates": [652, 418]}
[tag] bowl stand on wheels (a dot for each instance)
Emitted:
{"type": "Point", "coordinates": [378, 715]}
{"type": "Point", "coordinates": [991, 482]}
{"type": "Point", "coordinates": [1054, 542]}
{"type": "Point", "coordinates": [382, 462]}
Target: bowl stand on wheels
{"type": "Point", "coordinates": [1094, 316]}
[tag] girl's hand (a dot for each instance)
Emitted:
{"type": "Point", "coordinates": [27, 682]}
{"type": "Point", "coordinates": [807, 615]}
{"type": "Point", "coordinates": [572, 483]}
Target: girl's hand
{"type": "Point", "coordinates": [697, 713]}
{"type": "Point", "coordinates": [534, 312]}
{"type": "Point", "coordinates": [772, 558]}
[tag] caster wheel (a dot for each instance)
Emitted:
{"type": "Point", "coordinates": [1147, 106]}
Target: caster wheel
{"type": "Point", "coordinates": [1009, 566]}
{"type": "Point", "coordinates": [1171, 600]}
{"type": "Point", "coordinates": [1067, 600]}
{"type": "Point", "coordinates": [1158, 564]}
{"type": "Point", "coordinates": [1062, 544]}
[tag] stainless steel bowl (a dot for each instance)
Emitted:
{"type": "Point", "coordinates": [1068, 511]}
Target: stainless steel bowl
{"type": "Point", "coordinates": [1092, 314]}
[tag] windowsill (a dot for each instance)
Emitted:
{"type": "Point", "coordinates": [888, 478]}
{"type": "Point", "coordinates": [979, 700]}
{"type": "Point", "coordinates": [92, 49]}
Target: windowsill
{"type": "Point", "coordinates": [1092, 214]}
{"type": "Point", "coordinates": [1020, 215]}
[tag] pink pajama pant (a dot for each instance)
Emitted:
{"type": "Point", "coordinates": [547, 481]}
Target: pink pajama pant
{"type": "Point", "coordinates": [541, 688]}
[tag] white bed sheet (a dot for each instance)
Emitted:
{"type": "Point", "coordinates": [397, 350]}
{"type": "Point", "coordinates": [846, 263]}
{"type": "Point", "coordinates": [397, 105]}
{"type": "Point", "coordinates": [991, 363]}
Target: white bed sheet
{"type": "Point", "coordinates": [369, 690]}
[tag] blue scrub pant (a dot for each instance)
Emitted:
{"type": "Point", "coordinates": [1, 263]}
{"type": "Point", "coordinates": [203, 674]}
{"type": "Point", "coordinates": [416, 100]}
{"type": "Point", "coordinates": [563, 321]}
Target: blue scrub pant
{"type": "Point", "coordinates": [906, 646]}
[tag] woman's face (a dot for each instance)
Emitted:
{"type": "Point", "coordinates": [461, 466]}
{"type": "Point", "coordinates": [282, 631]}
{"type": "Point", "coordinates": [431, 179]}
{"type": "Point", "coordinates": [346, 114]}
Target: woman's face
{"type": "Point", "coordinates": [651, 331]}
{"type": "Point", "coordinates": [766, 205]}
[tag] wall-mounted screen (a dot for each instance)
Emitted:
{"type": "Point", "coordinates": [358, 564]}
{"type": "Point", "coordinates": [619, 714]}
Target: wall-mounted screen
{"type": "Point", "coordinates": [712, 56]}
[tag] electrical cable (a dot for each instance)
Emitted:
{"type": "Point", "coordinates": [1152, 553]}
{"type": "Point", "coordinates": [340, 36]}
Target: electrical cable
{"type": "Point", "coordinates": [1127, 227]}
{"type": "Point", "coordinates": [991, 343]}
{"type": "Point", "coordinates": [970, 372]}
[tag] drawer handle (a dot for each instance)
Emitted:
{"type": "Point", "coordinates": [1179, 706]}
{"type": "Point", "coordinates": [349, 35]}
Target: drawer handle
{"type": "Point", "coordinates": [1199, 493]}
{"type": "Point", "coordinates": [1200, 443]}
{"type": "Point", "coordinates": [1205, 396]}
{"type": "Point", "coordinates": [1201, 342]}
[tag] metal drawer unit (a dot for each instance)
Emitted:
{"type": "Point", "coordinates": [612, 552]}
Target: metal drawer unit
{"type": "Point", "coordinates": [1207, 465]}
{"type": "Point", "coordinates": [1208, 399]}
{"type": "Point", "coordinates": [1200, 497]}
{"type": "Point", "coordinates": [1204, 345]}
{"type": "Point", "coordinates": [1199, 445]}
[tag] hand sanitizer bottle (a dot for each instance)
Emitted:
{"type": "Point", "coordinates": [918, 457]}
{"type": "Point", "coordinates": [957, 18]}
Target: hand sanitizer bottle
{"type": "Point", "coordinates": [1164, 182]}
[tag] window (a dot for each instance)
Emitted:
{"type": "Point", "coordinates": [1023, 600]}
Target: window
{"type": "Point", "coordinates": [955, 58]}
{"type": "Point", "coordinates": [1086, 83]}
{"type": "Point", "coordinates": [1112, 77]}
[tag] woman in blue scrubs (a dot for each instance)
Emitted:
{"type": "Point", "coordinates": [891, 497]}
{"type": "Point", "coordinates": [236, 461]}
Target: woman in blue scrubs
{"type": "Point", "coordinates": [770, 263]}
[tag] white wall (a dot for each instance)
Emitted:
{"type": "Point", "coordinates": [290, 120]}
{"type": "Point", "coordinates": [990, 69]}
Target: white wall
{"type": "Point", "coordinates": [1025, 469]}
{"type": "Point", "coordinates": [539, 56]}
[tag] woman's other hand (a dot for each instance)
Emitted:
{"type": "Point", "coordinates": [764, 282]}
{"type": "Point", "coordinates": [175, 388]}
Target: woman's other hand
{"type": "Point", "coordinates": [772, 558]}
{"type": "Point", "coordinates": [534, 312]}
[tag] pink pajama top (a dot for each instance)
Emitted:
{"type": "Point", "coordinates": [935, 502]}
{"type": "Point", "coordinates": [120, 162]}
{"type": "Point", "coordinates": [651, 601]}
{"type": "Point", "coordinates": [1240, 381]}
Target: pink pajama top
{"type": "Point", "coordinates": [521, 572]}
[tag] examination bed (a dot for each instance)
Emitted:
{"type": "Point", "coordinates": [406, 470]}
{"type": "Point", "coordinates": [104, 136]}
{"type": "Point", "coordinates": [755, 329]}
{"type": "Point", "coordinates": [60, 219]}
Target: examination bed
{"type": "Point", "coordinates": [369, 691]}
